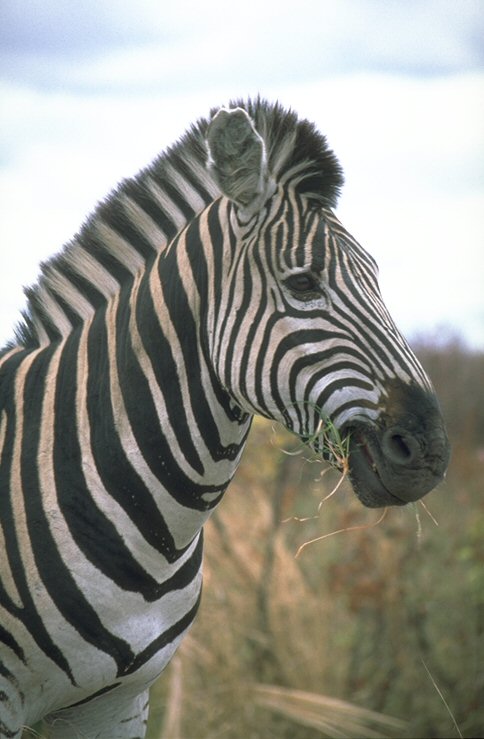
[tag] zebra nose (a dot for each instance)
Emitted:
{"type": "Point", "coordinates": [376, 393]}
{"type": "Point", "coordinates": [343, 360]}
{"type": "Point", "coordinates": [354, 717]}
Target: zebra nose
{"type": "Point", "coordinates": [400, 447]}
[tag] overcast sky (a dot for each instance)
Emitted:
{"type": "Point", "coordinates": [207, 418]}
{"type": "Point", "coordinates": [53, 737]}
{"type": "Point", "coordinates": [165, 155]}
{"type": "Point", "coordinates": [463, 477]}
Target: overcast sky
{"type": "Point", "coordinates": [91, 91]}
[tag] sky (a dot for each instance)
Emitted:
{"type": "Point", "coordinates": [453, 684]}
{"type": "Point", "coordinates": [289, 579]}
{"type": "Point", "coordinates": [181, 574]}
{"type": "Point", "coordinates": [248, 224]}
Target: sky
{"type": "Point", "coordinates": [91, 92]}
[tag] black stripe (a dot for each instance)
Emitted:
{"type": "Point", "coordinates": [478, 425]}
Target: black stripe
{"type": "Point", "coordinates": [140, 193]}
{"type": "Point", "coordinates": [202, 409]}
{"type": "Point", "coordinates": [184, 575]}
{"type": "Point", "coordinates": [91, 697]}
{"type": "Point", "coordinates": [164, 639]}
{"type": "Point", "coordinates": [113, 214]}
{"type": "Point", "coordinates": [90, 292]}
{"type": "Point", "coordinates": [5, 672]}
{"type": "Point", "coordinates": [90, 528]}
{"type": "Point", "coordinates": [7, 638]}
{"type": "Point", "coordinates": [157, 450]}
{"type": "Point", "coordinates": [165, 362]}
{"type": "Point", "coordinates": [121, 481]}
{"type": "Point", "coordinates": [44, 551]}
{"type": "Point", "coordinates": [201, 277]}
{"type": "Point", "coordinates": [54, 572]}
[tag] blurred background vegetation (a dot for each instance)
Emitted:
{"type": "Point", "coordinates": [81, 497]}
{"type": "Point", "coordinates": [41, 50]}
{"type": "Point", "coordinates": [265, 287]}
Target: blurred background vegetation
{"type": "Point", "coordinates": [386, 618]}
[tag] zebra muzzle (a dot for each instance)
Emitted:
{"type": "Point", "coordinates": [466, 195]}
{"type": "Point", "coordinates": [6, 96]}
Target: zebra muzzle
{"type": "Point", "coordinates": [404, 453]}
{"type": "Point", "coordinates": [394, 466]}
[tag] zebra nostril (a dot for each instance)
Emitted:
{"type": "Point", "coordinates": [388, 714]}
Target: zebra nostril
{"type": "Point", "coordinates": [400, 447]}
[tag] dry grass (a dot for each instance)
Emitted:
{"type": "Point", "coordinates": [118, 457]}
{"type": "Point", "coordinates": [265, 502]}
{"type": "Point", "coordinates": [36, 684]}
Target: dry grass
{"type": "Point", "coordinates": [172, 724]}
{"type": "Point", "coordinates": [332, 717]}
{"type": "Point", "coordinates": [329, 644]}
{"type": "Point", "coordinates": [329, 716]}
{"type": "Point", "coordinates": [345, 530]}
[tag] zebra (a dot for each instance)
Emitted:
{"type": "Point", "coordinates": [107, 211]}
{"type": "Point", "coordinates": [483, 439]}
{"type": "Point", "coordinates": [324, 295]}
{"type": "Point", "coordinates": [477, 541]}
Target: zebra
{"type": "Point", "coordinates": [215, 285]}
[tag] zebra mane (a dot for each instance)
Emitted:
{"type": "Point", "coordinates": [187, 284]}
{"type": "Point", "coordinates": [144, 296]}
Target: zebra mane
{"type": "Point", "coordinates": [144, 213]}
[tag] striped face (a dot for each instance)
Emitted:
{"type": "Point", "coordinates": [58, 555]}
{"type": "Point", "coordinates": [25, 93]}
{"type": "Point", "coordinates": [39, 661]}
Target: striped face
{"type": "Point", "coordinates": [306, 336]}
{"type": "Point", "coordinates": [303, 335]}
{"type": "Point", "coordinates": [305, 330]}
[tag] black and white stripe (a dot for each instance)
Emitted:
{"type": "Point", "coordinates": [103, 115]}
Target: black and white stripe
{"type": "Point", "coordinates": [214, 285]}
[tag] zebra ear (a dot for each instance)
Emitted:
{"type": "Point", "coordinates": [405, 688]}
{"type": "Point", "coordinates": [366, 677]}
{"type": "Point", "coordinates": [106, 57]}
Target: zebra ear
{"type": "Point", "coordinates": [237, 159]}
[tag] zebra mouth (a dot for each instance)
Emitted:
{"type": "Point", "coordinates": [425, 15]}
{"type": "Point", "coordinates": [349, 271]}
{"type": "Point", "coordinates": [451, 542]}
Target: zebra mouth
{"type": "Point", "coordinates": [364, 474]}
{"type": "Point", "coordinates": [369, 471]}
{"type": "Point", "coordinates": [393, 465]}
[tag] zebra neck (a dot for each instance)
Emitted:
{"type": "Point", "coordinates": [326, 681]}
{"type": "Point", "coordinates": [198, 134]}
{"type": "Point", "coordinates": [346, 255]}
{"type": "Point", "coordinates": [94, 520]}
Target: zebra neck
{"type": "Point", "coordinates": [177, 428]}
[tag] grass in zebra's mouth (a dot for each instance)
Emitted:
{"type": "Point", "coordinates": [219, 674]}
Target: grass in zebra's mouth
{"type": "Point", "coordinates": [330, 445]}
{"type": "Point", "coordinates": [360, 527]}
{"type": "Point", "coordinates": [334, 449]}
{"type": "Point", "coordinates": [331, 448]}
{"type": "Point", "coordinates": [326, 441]}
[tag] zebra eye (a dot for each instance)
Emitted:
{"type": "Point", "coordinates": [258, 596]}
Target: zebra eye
{"type": "Point", "coordinates": [303, 285]}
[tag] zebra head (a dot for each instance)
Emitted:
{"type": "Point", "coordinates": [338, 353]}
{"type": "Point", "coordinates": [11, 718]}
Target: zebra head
{"type": "Point", "coordinates": [301, 331]}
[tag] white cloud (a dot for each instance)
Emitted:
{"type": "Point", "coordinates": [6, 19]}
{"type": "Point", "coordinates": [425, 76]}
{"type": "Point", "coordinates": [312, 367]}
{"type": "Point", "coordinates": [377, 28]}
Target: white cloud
{"type": "Point", "coordinates": [140, 45]}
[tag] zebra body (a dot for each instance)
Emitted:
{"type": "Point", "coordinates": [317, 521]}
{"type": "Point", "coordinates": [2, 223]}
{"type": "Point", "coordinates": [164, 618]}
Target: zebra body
{"type": "Point", "coordinates": [216, 285]}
